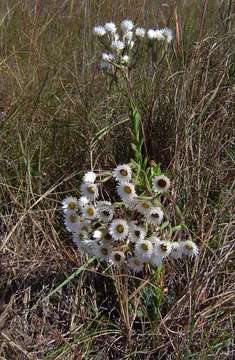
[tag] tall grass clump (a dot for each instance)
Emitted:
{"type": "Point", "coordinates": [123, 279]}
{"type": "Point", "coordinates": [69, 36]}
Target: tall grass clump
{"type": "Point", "coordinates": [165, 110]}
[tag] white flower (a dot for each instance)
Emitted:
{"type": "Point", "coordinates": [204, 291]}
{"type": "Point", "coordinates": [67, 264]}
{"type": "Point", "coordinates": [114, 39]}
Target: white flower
{"type": "Point", "coordinates": [82, 201]}
{"type": "Point", "coordinates": [89, 190]}
{"type": "Point", "coordinates": [97, 234]}
{"type": "Point", "coordinates": [144, 249]}
{"type": "Point", "coordinates": [70, 204]}
{"type": "Point", "coordinates": [72, 221]}
{"type": "Point", "coordinates": [161, 183]}
{"type": "Point", "coordinates": [167, 34]}
{"type": "Point", "coordinates": [84, 226]}
{"type": "Point", "coordinates": [151, 34]}
{"type": "Point", "coordinates": [99, 30]}
{"type": "Point", "coordinates": [189, 248]}
{"type": "Point", "coordinates": [127, 25]}
{"type": "Point", "coordinates": [156, 260]}
{"type": "Point", "coordinates": [128, 36]}
{"type": "Point", "coordinates": [103, 251]}
{"type": "Point", "coordinates": [119, 229]}
{"type": "Point", "coordinates": [135, 264]}
{"type": "Point", "coordinates": [158, 34]}
{"type": "Point", "coordinates": [89, 212]}
{"type": "Point", "coordinates": [144, 207]}
{"type": "Point", "coordinates": [117, 258]}
{"type": "Point", "coordinates": [132, 204]}
{"type": "Point", "coordinates": [108, 57]}
{"type": "Point", "coordinates": [118, 45]}
{"type": "Point", "coordinates": [110, 27]}
{"type": "Point", "coordinates": [122, 173]}
{"type": "Point", "coordinates": [125, 59]}
{"type": "Point", "coordinates": [162, 248]}
{"type": "Point", "coordinates": [105, 211]}
{"type": "Point", "coordinates": [176, 251]}
{"type": "Point", "coordinates": [140, 32]}
{"type": "Point", "coordinates": [155, 216]}
{"type": "Point", "coordinates": [126, 191]}
{"type": "Point", "coordinates": [136, 233]}
{"type": "Point", "coordinates": [115, 37]}
{"type": "Point", "coordinates": [89, 177]}
{"type": "Point", "coordinates": [79, 238]}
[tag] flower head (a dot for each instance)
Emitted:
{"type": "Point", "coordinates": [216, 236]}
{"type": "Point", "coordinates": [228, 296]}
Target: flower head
{"type": "Point", "coordinates": [151, 34]}
{"type": "Point", "coordinates": [127, 25]}
{"type": "Point", "coordinates": [135, 264]}
{"type": "Point", "coordinates": [136, 233]}
{"type": "Point", "coordinates": [89, 212]}
{"type": "Point", "coordinates": [144, 249]}
{"type": "Point", "coordinates": [105, 211]}
{"type": "Point", "coordinates": [126, 191]}
{"type": "Point", "coordinates": [71, 221]}
{"type": "Point", "coordinates": [155, 216]}
{"type": "Point", "coordinates": [176, 250]}
{"type": "Point", "coordinates": [159, 35]}
{"type": "Point", "coordinates": [99, 30]}
{"type": "Point", "coordinates": [70, 204]}
{"type": "Point", "coordinates": [82, 201]}
{"type": "Point", "coordinates": [125, 60]}
{"type": "Point", "coordinates": [108, 57]}
{"type": "Point", "coordinates": [161, 183]}
{"type": "Point", "coordinates": [119, 229]}
{"type": "Point", "coordinates": [103, 251]}
{"type": "Point", "coordinates": [189, 248]}
{"type": "Point", "coordinates": [144, 207]}
{"type": "Point", "coordinates": [122, 173]}
{"type": "Point", "coordinates": [117, 258]}
{"type": "Point", "coordinates": [90, 191]}
{"type": "Point", "coordinates": [162, 248]}
{"type": "Point", "coordinates": [167, 34]}
{"type": "Point", "coordinates": [117, 45]}
{"type": "Point", "coordinates": [110, 27]}
{"type": "Point", "coordinates": [89, 177]}
{"type": "Point", "coordinates": [140, 32]}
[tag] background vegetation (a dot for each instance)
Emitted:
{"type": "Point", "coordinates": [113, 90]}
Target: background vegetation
{"type": "Point", "coordinates": [54, 101]}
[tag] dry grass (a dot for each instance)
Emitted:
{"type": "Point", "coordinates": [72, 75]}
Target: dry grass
{"type": "Point", "coordinates": [54, 102]}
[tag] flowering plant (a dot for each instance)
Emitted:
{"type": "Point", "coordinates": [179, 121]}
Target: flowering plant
{"type": "Point", "coordinates": [129, 232]}
{"type": "Point", "coordinates": [121, 48]}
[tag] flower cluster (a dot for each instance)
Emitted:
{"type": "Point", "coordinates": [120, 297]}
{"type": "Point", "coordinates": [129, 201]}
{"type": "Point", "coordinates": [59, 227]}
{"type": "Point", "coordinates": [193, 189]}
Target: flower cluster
{"type": "Point", "coordinates": [123, 232]}
{"type": "Point", "coordinates": [120, 45]}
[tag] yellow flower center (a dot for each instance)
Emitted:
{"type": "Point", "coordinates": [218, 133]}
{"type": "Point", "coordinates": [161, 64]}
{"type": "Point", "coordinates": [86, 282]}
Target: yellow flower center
{"type": "Point", "coordinates": [127, 189]}
{"type": "Point", "coordinates": [144, 247]}
{"type": "Point", "coordinates": [104, 251]}
{"type": "Point", "coordinates": [72, 205]}
{"type": "Point", "coordinates": [73, 218]}
{"type": "Point", "coordinates": [90, 211]}
{"type": "Point", "coordinates": [163, 247]}
{"type": "Point", "coordinates": [145, 205]}
{"type": "Point", "coordinates": [123, 172]}
{"type": "Point", "coordinates": [189, 247]}
{"type": "Point", "coordinates": [120, 228]}
{"type": "Point", "coordinates": [90, 189]}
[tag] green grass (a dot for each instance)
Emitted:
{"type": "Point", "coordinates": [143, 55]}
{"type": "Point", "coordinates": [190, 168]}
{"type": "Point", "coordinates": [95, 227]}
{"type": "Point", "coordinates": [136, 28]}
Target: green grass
{"type": "Point", "coordinates": [60, 115]}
